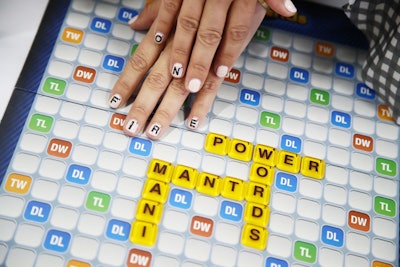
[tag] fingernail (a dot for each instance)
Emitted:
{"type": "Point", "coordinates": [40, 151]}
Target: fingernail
{"type": "Point", "coordinates": [290, 6]}
{"type": "Point", "coordinates": [194, 85]}
{"type": "Point", "coordinates": [193, 123]}
{"type": "Point", "coordinates": [158, 38]}
{"type": "Point", "coordinates": [132, 126]}
{"type": "Point", "coordinates": [132, 20]}
{"type": "Point", "coordinates": [222, 71]}
{"type": "Point", "coordinates": [177, 70]}
{"type": "Point", "coordinates": [154, 129]}
{"type": "Point", "coordinates": [115, 100]}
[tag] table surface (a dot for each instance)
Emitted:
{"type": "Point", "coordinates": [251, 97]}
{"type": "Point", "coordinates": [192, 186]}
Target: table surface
{"type": "Point", "coordinates": [17, 31]}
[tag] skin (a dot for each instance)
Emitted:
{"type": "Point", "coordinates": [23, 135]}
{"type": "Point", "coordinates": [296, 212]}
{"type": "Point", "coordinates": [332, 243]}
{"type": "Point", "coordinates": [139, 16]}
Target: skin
{"type": "Point", "coordinates": [186, 41]}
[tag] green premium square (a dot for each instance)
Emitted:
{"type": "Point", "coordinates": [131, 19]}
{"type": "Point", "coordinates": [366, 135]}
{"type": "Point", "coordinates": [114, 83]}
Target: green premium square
{"type": "Point", "coordinates": [262, 34]}
{"type": "Point", "coordinates": [54, 86]}
{"type": "Point", "coordinates": [41, 123]}
{"type": "Point", "coordinates": [386, 167]}
{"type": "Point", "coordinates": [385, 206]}
{"type": "Point", "coordinates": [270, 120]}
{"type": "Point", "coordinates": [98, 201]}
{"type": "Point", "coordinates": [305, 252]}
{"type": "Point", "coordinates": [320, 97]}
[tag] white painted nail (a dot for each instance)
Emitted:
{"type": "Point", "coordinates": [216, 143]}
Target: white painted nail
{"type": "Point", "coordinates": [290, 6]}
{"type": "Point", "coordinates": [159, 37]}
{"type": "Point", "coordinates": [193, 123]}
{"type": "Point", "coordinates": [177, 70]}
{"type": "Point", "coordinates": [115, 100]}
{"type": "Point", "coordinates": [155, 129]}
{"type": "Point", "coordinates": [222, 71]}
{"type": "Point", "coordinates": [132, 126]}
{"type": "Point", "coordinates": [132, 20]}
{"type": "Point", "coordinates": [194, 85]}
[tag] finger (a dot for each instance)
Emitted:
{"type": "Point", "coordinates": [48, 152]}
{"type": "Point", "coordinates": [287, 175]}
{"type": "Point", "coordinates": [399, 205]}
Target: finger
{"type": "Point", "coordinates": [237, 30]}
{"type": "Point", "coordinates": [151, 91]}
{"type": "Point", "coordinates": [166, 19]}
{"type": "Point", "coordinates": [146, 17]}
{"type": "Point", "coordinates": [205, 97]}
{"type": "Point", "coordinates": [168, 108]}
{"type": "Point", "coordinates": [285, 8]}
{"type": "Point", "coordinates": [208, 38]}
{"type": "Point", "coordinates": [135, 69]}
{"type": "Point", "coordinates": [203, 102]}
{"type": "Point", "coordinates": [185, 33]}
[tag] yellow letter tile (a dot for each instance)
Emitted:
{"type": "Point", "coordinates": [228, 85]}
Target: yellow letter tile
{"type": "Point", "coordinates": [254, 237]}
{"type": "Point", "coordinates": [209, 184]}
{"type": "Point", "coordinates": [265, 155]}
{"type": "Point", "coordinates": [185, 176]}
{"type": "Point", "coordinates": [256, 214]}
{"type": "Point", "coordinates": [240, 150]}
{"type": "Point", "coordinates": [149, 211]}
{"type": "Point", "coordinates": [143, 233]}
{"type": "Point", "coordinates": [312, 167]}
{"type": "Point", "coordinates": [160, 170]}
{"type": "Point", "coordinates": [261, 173]}
{"type": "Point", "coordinates": [217, 144]}
{"type": "Point", "coordinates": [258, 193]}
{"type": "Point", "coordinates": [288, 161]}
{"type": "Point", "coordinates": [155, 190]}
{"type": "Point", "coordinates": [233, 188]}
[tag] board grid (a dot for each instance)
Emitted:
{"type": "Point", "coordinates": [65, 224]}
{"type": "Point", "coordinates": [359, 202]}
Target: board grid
{"type": "Point", "coordinates": [76, 185]}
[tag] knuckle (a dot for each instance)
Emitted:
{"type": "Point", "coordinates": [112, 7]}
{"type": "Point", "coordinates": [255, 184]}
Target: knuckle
{"type": "Point", "coordinates": [189, 24]}
{"type": "Point", "coordinates": [229, 56]}
{"type": "Point", "coordinates": [199, 68]}
{"type": "Point", "coordinates": [210, 86]}
{"type": "Point", "coordinates": [177, 87]}
{"type": "Point", "coordinates": [157, 81]}
{"type": "Point", "coordinates": [138, 111]}
{"type": "Point", "coordinates": [181, 51]}
{"type": "Point", "coordinates": [163, 115]}
{"type": "Point", "coordinates": [123, 85]}
{"type": "Point", "coordinates": [238, 33]}
{"type": "Point", "coordinates": [138, 62]}
{"type": "Point", "coordinates": [171, 5]}
{"type": "Point", "coordinates": [209, 37]}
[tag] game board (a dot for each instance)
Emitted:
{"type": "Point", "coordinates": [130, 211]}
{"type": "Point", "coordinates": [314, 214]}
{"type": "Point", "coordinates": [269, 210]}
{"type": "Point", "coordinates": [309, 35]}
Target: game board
{"type": "Point", "coordinates": [296, 164]}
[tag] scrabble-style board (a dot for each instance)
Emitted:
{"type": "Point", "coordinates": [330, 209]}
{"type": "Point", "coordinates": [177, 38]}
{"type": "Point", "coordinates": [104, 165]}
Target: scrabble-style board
{"type": "Point", "coordinates": [297, 163]}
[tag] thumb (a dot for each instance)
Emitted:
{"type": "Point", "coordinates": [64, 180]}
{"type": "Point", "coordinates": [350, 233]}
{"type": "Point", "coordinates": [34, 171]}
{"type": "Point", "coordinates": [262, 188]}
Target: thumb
{"type": "Point", "coordinates": [145, 18]}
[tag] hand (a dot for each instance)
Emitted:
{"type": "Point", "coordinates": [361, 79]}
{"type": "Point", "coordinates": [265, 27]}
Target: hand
{"type": "Point", "coordinates": [208, 32]}
{"type": "Point", "coordinates": [160, 80]}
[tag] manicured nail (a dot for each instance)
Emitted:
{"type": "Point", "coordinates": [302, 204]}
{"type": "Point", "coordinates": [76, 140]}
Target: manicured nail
{"type": "Point", "coordinates": [158, 38]}
{"type": "Point", "coordinates": [132, 126]}
{"type": "Point", "coordinates": [154, 129]}
{"type": "Point", "coordinates": [222, 71]}
{"type": "Point", "coordinates": [194, 85]}
{"type": "Point", "coordinates": [193, 123]}
{"type": "Point", "coordinates": [132, 20]}
{"type": "Point", "coordinates": [177, 70]}
{"type": "Point", "coordinates": [290, 6]}
{"type": "Point", "coordinates": [115, 100]}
